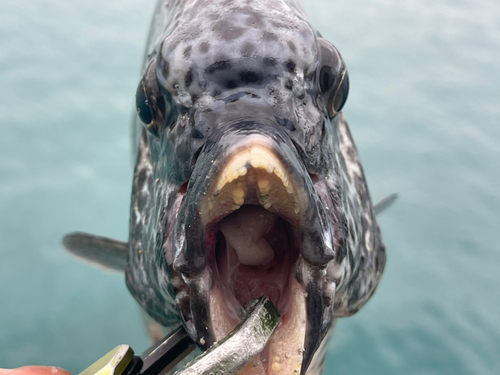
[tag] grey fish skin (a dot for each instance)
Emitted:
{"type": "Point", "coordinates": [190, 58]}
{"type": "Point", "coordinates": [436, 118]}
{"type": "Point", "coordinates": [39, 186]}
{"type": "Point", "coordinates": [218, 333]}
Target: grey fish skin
{"type": "Point", "coordinates": [215, 73]}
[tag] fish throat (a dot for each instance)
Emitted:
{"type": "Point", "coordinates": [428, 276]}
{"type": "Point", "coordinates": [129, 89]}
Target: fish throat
{"type": "Point", "coordinates": [255, 254]}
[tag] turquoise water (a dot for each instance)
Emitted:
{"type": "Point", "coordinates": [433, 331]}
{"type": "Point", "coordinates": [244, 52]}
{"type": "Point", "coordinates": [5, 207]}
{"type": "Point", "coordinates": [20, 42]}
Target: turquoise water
{"type": "Point", "coordinates": [423, 108]}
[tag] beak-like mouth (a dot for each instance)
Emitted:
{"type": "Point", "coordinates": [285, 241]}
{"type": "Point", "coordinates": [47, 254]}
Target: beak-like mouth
{"type": "Point", "coordinates": [256, 229]}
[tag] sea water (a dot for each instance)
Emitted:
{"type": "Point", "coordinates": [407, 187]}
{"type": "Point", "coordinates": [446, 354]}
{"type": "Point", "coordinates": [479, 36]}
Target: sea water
{"type": "Point", "coordinates": [424, 109]}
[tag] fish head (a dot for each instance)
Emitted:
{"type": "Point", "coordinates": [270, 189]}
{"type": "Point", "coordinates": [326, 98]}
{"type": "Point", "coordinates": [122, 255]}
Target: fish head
{"type": "Point", "coordinates": [253, 195]}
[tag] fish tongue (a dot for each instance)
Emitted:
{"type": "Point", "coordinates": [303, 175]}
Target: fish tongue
{"type": "Point", "coordinates": [244, 231]}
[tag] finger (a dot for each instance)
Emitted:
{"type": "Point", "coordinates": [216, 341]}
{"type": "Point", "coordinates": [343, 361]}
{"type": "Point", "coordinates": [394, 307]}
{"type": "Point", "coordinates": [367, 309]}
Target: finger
{"type": "Point", "coordinates": [35, 370]}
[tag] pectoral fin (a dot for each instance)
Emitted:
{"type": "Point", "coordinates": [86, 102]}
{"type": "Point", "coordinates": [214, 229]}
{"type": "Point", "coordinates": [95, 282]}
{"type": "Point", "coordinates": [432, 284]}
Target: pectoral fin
{"type": "Point", "coordinates": [384, 203]}
{"type": "Point", "coordinates": [100, 251]}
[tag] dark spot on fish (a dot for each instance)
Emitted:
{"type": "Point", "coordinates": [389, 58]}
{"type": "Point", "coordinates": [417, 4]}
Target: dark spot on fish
{"type": "Point", "coordinates": [197, 134]}
{"type": "Point", "coordinates": [292, 47]}
{"type": "Point", "coordinates": [228, 74]}
{"type": "Point", "coordinates": [227, 30]}
{"type": "Point", "coordinates": [249, 77]}
{"type": "Point", "coordinates": [285, 123]}
{"type": "Point", "coordinates": [247, 49]}
{"type": "Point", "coordinates": [269, 61]}
{"type": "Point", "coordinates": [354, 297]}
{"type": "Point", "coordinates": [342, 252]}
{"type": "Point", "coordinates": [268, 36]}
{"type": "Point", "coordinates": [352, 154]}
{"type": "Point", "coordinates": [351, 263]}
{"type": "Point", "coordinates": [289, 84]}
{"type": "Point", "coordinates": [219, 66]}
{"type": "Point", "coordinates": [163, 68]}
{"type": "Point", "coordinates": [187, 52]}
{"type": "Point", "coordinates": [142, 178]}
{"type": "Point", "coordinates": [379, 261]}
{"type": "Point", "coordinates": [253, 18]}
{"type": "Point", "coordinates": [290, 66]}
{"type": "Point", "coordinates": [361, 187]}
{"type": "Point", "coordinates": [204, 47]}
{"type": "Point", "coordinates": [189, 77]}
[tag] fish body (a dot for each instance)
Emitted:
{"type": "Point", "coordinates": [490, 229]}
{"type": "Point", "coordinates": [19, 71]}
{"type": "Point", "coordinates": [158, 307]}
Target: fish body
{"type": "Point", "coordinates": [247, 181]}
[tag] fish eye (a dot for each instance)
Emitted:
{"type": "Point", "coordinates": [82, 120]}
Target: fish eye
{"type": "Point", "coordinates": [142, 105]}
{"type": "Point", "coordinates": [342, 92]}
{"type": "Point", "coordinates": [333, 78]}
{"type": "Point", "coordinates": [150, 102]}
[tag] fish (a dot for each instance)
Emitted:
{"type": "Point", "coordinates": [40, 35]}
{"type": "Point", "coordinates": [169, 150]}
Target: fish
{"type": "Point", "coordinates": [247, 182]}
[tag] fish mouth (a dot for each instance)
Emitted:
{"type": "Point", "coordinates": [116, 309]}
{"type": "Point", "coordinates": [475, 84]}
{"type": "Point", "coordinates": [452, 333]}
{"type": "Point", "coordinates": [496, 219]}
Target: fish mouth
{"type": "Point", "coordinates": [251, 225]}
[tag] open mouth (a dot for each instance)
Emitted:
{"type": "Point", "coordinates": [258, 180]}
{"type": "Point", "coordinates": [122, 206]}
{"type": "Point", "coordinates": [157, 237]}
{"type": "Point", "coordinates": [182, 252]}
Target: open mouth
{"type": "Point", "coordinates": [253, 216]}
{"type": "Point", "coordinates": [255, 254]}
{"type": "Point", "coordinates": [262, 237]}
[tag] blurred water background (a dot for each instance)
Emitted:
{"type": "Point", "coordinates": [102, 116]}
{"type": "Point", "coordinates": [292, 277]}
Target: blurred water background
{"type": "Point", "coordinates": [424, 109]}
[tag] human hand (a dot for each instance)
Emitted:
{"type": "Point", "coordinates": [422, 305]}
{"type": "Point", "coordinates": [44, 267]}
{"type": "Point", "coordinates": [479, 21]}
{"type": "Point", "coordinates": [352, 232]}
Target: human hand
{"type": "Point", "coordinates": [34, 370]}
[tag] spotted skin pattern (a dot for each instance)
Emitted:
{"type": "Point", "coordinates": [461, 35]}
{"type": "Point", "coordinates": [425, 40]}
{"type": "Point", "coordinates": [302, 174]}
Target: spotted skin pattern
{"type": "Point", "coordinates": [222, 61]}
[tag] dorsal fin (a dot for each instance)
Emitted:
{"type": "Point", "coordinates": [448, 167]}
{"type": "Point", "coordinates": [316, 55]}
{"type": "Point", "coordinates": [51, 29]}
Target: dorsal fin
{"type": "Point", "coordinates": [100, 251]}
{"type": "Point", "coordinates": [384, 203]}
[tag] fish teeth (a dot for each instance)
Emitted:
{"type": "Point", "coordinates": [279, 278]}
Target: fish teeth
{"type": "Point", "coordinates": [249, 175]}
{"type": "Point", "coordinates": [262, 183]}
{"type": "Point", "coordinates": [257, 157]}
{"type": "Point", "coordinates": [238, 193]}
{"type": "Point", "coordinates": [242, 171]}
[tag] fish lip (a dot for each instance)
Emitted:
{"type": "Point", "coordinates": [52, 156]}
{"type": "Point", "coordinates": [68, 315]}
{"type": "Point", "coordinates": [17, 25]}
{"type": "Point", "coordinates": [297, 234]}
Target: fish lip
{"type": "Point", "coordinates": [191, 255]}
